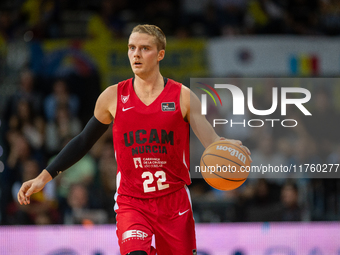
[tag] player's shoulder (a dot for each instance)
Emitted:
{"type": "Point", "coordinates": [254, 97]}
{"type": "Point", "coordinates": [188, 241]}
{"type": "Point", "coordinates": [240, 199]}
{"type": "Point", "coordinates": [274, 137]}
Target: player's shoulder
{"type": "Point", "coordinates": [186, 93]}
{"type": "Point", "coordinates": [108, 95]}
{"type": "Point", "coordinates": [185, 89]}
{"type": "Point", "coordinates": [173, 82]}
{"type": "Point", "coordinates": [111, 90]}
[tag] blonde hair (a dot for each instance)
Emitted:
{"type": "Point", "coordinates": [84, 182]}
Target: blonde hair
{"type": "Point", "coordinates": [154, 31]}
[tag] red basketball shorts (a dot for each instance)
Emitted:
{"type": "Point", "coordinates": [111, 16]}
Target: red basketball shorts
{"type": "Point", "coordinates": [169, 218]}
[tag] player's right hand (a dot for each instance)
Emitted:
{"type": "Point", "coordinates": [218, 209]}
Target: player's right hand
{"type": "Point", "coordinates": [28, 188]}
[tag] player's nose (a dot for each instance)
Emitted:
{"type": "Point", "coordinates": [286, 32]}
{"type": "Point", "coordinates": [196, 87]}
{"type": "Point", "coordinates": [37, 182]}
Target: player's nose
{"type": "Point", "coordinates": [137, 53]}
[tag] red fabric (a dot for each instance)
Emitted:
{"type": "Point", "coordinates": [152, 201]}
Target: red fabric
{"type": "Point", "coordinates": [169, 218]}
{"type": "Point", "coordinates": [151, 143]}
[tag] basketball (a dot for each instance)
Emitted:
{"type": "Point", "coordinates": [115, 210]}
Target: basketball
{"type": "Point", "coordinates": [225, 165]}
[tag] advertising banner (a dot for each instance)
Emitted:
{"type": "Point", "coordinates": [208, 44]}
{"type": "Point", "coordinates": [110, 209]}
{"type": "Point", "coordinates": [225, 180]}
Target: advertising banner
{"type": "Point", "coordinates": [212, 239]}
{"type": "Point", "coordinates": [274, 56]}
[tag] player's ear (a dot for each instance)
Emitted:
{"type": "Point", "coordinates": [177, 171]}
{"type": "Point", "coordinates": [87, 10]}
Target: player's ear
{"type": "Point", "coordinates": [161, 55]}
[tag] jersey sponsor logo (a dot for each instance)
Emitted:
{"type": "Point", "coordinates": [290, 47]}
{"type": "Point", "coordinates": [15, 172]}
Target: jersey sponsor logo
{"type": "Point", "coordinates": [168, 107]}
{"type": "Point", "coordinates": [125, 109]}
{"type": "Point", "coordinates": [149, 149]}
{"type": "Point", "coordinates": [138, 162]}
{"type": "Point", "coordinates": [136, 234]}
{"type": "Point", "coordinates": [153, 137]}
{"type": "Point", "coordinates": [125, 98]}
{"type": "Point", "coordinates": [181, 213]}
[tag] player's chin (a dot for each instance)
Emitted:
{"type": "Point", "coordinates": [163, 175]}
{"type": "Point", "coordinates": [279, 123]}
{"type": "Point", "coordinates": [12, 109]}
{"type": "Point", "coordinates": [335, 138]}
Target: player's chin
{"type": "Point", "coordinates": [137, 71]}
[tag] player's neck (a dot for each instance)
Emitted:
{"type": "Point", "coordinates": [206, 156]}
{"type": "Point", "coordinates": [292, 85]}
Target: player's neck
{"type": "Point", "coordinates": [148, 86]}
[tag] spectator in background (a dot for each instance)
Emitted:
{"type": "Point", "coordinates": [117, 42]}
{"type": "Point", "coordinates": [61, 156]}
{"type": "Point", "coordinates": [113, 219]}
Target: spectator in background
{"type": "Point", "coordinates": [105, 187]}
{"type": "Point", "coordinates": [77, 200]}
{"type": "Point", "coordinates": [291, 210]}
{"type": "Point", "coordinates": [107, 24]}
{"type": "Point", "coordinates": [199, 18]}
{"type": "Point", "coordinates": [211, 21]}
{"type": "Point", "coordinates": [42, 17]}
{"type": "Point", "coordinates": [43, 202]}
{"type": "Point", "coordinates": [264, 17]}
{"type": "Point", "coordinates": [231, 15]}
{"type": "Point", "coordinates": [304, 152]}
{"type": "Point", "coordinates": [7, 26]}
{"type": "Point", "coordinates": [302, 17]}
{"type": "Point", "coordinates": [330, 16]}
{"type": "Point", "coordinates": [164, 13]}
{"type": "Point", "coordinates": [79, 210]}
{"type": "Point", "coordinates": [62, 127]}
{"type": "Point", "coordinates": [323, 127]}
{"type": "Point", "coordinates": [259, 201]}
{"type": "Point", "coordinates": [82, 172]}
{"type": "Point", "coordinates": [25, 92]}
{"type": "Point", "coordinates": [60, 97]}
{"type": "Point", "coordinates": [20, 151]}
{"type": "Point", "coordinates": [31, 126]}
{"type": "Point", "coordinates": [266, 154]}
{"type": "Point", "coordinates": [264, 204]}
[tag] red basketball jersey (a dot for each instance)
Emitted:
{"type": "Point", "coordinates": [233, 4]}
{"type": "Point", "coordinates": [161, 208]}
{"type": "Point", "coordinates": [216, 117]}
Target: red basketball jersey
{"type": "Point", "coordinates": [151, 142]}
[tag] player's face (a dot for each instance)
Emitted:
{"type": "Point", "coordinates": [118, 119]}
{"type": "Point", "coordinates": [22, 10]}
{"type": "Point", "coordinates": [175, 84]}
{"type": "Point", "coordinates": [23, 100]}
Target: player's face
{"type": "Point", "coordinates": [143, 53]}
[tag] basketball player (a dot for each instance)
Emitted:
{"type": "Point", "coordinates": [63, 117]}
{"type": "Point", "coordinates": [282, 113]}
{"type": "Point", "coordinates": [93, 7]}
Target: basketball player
{"type": "Point", "coordinates": [151, 140]}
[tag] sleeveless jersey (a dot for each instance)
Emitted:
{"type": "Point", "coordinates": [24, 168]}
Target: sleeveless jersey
{"type": "Point", "coordinates": [151, 142]}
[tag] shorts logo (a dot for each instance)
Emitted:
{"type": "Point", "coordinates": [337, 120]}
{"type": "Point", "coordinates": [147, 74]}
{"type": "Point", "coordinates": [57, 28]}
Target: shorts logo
{"type": "Point", "coordinates": [138, 162]}
{"type": "Point", "coordinates": [125, 98]}
{"type": "Point", "coordinates": [136, 234]}
{"type": "Point", "coordinates": [168, 107]}
{"type": "Point", "coordinates": [194, 252]}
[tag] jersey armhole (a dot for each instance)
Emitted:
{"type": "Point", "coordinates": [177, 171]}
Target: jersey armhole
{"type": "Point", "coordinates": [180, 105]}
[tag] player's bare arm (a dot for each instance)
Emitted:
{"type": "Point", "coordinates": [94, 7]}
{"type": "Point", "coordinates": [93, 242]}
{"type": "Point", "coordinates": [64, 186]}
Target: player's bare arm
{"type": "Point", "coordinates": [104, 113]}
{"type": "Point", "coordinates": [191, 111]}
{"type": "Point", "coordinates": [190, 106]}
{"type": "Point", "coordinates": [106, 105]}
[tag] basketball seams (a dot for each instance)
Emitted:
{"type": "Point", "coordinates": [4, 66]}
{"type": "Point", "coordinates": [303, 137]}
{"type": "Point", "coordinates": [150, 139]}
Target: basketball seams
{"type": "Point", "coordinates": [221, 157]}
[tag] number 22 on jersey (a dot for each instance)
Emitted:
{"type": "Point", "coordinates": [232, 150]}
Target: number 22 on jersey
{"type": "Point", "coordinates": [149, 179]}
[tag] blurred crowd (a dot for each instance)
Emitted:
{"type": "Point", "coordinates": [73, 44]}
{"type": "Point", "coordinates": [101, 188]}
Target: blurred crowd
{"type": "Point", "coordinates": [35, 127]}
{"type": "Point", "coordinates": [38, 119]}
{"type": "Point", "coordinates": [41, 19]}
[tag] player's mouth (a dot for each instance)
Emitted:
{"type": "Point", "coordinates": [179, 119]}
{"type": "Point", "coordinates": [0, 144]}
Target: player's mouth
{"type": "Point", "coordinates": [137, 63]}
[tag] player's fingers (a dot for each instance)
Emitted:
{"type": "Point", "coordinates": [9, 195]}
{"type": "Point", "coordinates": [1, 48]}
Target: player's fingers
{"type": "Point", "coordinates": [21, 193]}
{"type": "Point", "coordinates": [28, 194]}
{"type": "Point", "coordinates": [248, 151]}
{"type": "Point", "coordinates": [27, 200]}
{"type": "Point", "coordinates": [237, 142]}
{"type": "Point", "coordinates": [246, 148]}
{"type": "Point", "coordinates": [20, 197]}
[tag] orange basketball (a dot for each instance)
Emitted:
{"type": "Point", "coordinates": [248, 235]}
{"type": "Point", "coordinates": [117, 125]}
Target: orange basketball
{"type": "Point", "coordinates": [225, 165]}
